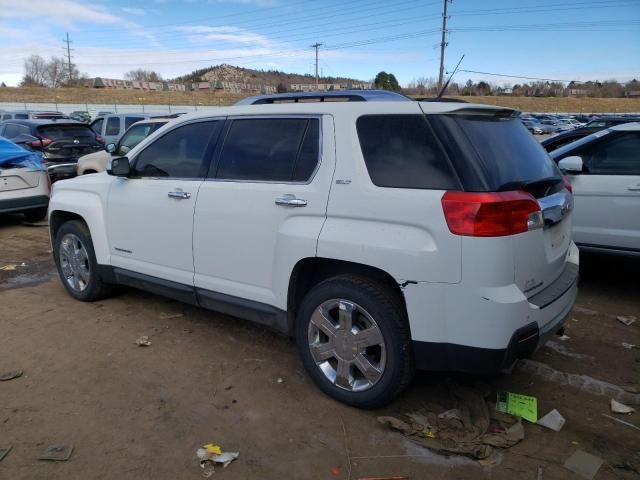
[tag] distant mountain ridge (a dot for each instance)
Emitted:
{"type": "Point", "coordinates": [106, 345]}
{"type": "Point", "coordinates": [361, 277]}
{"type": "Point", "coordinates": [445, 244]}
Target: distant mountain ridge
{"type": "Point", "coordinates": [258, 78]}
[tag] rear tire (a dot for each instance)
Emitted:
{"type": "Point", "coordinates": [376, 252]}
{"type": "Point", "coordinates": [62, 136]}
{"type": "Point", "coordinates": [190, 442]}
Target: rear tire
{"type": "Point", "coordinates": [76, 262]}
{"type": "Point", "coordinates": [354, 341]}
{"type": "Point", "coordinates": [35, 215]}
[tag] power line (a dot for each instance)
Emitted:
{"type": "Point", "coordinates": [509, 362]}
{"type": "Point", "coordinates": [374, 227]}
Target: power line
{"type": "Point", "coordinates": [517, 76]}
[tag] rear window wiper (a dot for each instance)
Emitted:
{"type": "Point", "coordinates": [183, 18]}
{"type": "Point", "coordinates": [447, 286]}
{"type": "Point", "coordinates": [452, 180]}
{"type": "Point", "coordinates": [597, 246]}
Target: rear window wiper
{"type": "Point", "coordinates": [527, 184]}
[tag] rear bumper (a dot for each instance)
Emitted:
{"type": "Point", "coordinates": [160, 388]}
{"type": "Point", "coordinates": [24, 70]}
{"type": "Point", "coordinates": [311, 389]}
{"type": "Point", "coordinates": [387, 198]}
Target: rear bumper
{"type": "Point", "coordinates": [23, 203]}
{"type": "Point", "coordinates": [487, 333]}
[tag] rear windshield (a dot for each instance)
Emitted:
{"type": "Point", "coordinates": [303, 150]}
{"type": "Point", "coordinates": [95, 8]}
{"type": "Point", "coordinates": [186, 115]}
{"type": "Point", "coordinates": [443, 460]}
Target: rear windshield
{"type": "Point", "coordinates": [65, 131]}
{"type": "Point", "coordinates": [491, 152]}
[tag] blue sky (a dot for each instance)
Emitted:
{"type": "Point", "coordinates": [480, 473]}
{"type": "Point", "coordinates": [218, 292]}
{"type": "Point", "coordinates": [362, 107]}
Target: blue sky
{"type": "Point", "coordinates": [559, 39]}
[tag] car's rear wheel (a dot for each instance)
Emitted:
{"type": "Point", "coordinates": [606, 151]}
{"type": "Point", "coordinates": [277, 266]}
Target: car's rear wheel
{"type": "Point", "coordinates": [36, 214]}
{"type": "Point", "coordinates": [76, 262]}
{"type": "Point", "coordinates": [354, 340]}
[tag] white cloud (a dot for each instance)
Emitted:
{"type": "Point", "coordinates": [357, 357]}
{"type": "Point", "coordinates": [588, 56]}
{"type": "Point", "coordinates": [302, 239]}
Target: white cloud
{"type": "Point", "coordinates": [233, 35]}
{"type": "Point", "coordinates": [64, 12]}
{"type": "Point", "coordinates": [133, 11]}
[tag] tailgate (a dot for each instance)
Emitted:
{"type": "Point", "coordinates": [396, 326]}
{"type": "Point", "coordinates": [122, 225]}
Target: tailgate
{"type": "Point", "coordinates": [540, 255]}
{"type": "Point", "coordinates": [70, 150]}
{"type": "Point", "coordinates": [18, 179]}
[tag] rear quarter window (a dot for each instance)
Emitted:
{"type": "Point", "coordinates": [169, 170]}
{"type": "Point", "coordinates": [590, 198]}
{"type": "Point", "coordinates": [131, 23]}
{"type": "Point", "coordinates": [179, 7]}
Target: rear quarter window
{"type": "Point", "coordinates": [400, 151]}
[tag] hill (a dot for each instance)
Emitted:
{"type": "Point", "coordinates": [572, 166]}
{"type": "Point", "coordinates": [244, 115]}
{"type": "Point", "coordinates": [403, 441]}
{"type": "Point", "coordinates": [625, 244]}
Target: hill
{"type": "Point", "coordinates": [230, 73]}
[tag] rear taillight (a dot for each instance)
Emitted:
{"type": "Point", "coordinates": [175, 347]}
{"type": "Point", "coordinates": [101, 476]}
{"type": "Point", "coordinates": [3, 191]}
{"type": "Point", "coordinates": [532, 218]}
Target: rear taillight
{"type": "Point", "coordinates": [567, 183]}
{"type": "Point", "coordinates": [42, 143]}
{"type": "Point", "coordinates": [494, 214]}
{"type": "Point", "coordinates": [99, 139]}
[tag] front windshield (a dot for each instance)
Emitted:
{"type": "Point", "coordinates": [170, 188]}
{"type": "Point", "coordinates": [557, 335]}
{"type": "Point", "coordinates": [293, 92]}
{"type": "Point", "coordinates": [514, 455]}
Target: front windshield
{"type": "Point", "coordinates": [559, 152]}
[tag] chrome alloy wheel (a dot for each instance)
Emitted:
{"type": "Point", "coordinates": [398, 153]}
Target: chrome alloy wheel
{"type": "Point", "coordinates": [74, 262]}
{"type": "Point", "coordinates": [347, 345]}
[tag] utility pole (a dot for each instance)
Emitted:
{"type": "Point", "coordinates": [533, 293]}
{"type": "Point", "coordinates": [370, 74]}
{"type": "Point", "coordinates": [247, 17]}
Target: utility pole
{"type": "Point", "coordinates": [68, 42]}
{"type": "Point", "coordinates": [317, 47]}
{"type": "Point", "coordinates": [443, 44]}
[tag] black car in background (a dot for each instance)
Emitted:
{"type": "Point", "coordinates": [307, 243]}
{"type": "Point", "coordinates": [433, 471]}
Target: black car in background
{"type": "Point", "coordinates": [61, 142]}
{"type": "Point", "coordinates": [564, 138]}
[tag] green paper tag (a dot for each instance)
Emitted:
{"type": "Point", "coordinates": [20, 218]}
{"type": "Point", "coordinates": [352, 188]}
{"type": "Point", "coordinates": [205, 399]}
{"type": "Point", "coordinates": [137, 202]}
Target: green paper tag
{"type": "Point", "coordinates": [519, 405]}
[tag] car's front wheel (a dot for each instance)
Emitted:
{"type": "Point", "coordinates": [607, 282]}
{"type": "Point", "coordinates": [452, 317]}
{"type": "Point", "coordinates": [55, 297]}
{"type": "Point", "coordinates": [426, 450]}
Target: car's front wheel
{"type": "Point", "coordinates": [354, 340]}
{"type": "Point", "coordinates": [76, 262]}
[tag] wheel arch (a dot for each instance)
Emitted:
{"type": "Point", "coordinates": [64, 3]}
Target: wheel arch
{"type": "Point", "coordinates": [308, 272]}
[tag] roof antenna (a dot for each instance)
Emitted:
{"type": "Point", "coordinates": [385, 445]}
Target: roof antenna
{"type": "Point", "coordinates": [444, 87]}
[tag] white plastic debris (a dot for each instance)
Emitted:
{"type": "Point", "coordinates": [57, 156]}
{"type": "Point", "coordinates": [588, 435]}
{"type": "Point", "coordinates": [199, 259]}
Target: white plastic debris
{"type": "Point", "coordinates": [617, 407]}
{"type": "Point", "coordinates": [209, 455]}
{"type": "Point", "coordinates": [143, 341]}
{"type": "Point", "coordinates": [627, 320]}
{"type": "Point", "coordinates": [552, 420]}
{"type": "Point", "coordinates": [629, 346]}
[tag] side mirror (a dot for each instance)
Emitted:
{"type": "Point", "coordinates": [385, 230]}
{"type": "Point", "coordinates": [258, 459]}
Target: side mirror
{"type": "Point", "coordinates": [572, 164]}
{"type": "Point", "coordinates": [110, 148]}
{"type": "Point", "coordinates": [119, 167]}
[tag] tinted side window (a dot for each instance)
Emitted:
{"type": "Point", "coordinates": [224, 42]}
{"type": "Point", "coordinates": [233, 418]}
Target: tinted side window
{"type": "Point", "coordinates": [179, 153]}
{"type": "Point", "coordinates": [12, 130]}
{"type": "Point", "coordinates": [128, 121]}
{"type": "Point", "coordinates": [270, 149]}
{"type": "Point", "coordinates": [618, 156]}
{"type": "Point", "coordinates": [6, 116]}
{"type": "Point", "coordinates": [401, 152]}
{"type": "Point", "coordinates": [21, 116]}
{"type": "Point", "coordinates": [113, 126]}
{"type": "Point", "coordinates": [96, 126]}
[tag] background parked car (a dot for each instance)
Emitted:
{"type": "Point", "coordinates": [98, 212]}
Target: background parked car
{"type": "Point", "coordinates": [60, 142]}
{"type": "Point", "coordinates": [32, 115]}
{"type": "Point", "coordinates": [604, 171]}
{"type": "Point", "coordinates": [111, 126]}
{"type": "Point", "coordinates": [533, 126]}
{"type": "Point", "coordinates": [97, 162]}
{"type": "Point", "coordinates": [24, 183]}
{"type": "Point", "coordinates": [80, 116]}
{"type": "Point", "coordinates": [564, 138]}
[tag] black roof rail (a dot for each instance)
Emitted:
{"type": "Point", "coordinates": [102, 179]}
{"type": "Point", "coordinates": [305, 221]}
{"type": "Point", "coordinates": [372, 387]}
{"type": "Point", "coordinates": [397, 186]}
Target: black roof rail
{"type": "Point", "coordinates": [331, 95]}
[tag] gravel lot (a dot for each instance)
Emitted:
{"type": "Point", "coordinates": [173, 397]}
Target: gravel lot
{"type": "Point", "coordinates": [141, 413]}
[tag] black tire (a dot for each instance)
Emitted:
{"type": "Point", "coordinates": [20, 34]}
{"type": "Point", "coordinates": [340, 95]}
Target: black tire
{"type": "Point", "coordinates": [36, 214]}
{"type": "Point", "coordinates": [384, 306]}
{"type": "Point", "coordinates": [95, 288]}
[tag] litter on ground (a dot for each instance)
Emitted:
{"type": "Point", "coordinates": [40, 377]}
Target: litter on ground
{"type": "Point", "coordinates": [627, 320]}
{"type": "Point", "coordinates": [211, 454]}
{"type": "Point", "coordinates": [470, 428]}
{"type": "Point", "coordinates": [552, 420]}
{"type": "Point", "coordinates": [617, 407]}
{"type": "Point", "coordinates": [10, 375]}
{"type": "Point", "coordinates": [4, 451]}
{"type": "Point", "coordinates": [523, 406]}
{"type": "Point", "coordinates": [583, 464]}
{"type": "Point", "coordinates": [57, 453]}
{"type": "Point", "coordinates": [143, 341]}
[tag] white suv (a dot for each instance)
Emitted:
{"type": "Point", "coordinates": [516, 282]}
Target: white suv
{"type": "Point", "coordinates": [383, 235]}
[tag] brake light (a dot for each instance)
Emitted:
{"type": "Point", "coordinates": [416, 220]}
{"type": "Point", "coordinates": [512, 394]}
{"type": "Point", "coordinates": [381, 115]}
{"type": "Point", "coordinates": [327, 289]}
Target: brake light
{"type": "Point", "coordinates": [42, 143]}
{"type": "Point", "coordinates": [567, 183]}
{"type": "Point", "coordinates": [99, 139]}
{"type": "Point", "coordinates": [495, 214]}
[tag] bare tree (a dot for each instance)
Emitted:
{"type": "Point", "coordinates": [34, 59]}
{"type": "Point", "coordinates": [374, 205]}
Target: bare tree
{"type": "Point", "coordinates": [142, 75]}
{"type": "Point", "coordinates": [34, 71]}
{"type": "Point", "coordinates": [56, 72]}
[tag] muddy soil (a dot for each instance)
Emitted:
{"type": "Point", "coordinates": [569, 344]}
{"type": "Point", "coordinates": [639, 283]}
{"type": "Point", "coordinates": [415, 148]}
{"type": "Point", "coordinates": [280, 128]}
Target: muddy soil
{"type": "Point", "coordinates": [141, 413]}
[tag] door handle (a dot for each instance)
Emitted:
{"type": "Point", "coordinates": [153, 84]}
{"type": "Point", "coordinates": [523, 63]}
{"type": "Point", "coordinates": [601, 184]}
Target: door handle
{"type": "Point", "coordinates": [291, 201]}
{"type": "Point", "coordinates": [634, 189]}
{"type": "Point", "coordinates": [179, 195]}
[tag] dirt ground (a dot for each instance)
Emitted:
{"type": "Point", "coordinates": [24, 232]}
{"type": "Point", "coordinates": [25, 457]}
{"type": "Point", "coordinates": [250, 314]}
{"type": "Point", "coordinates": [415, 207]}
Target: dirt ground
{"type": "Point", "coordinates": [141, 413]}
